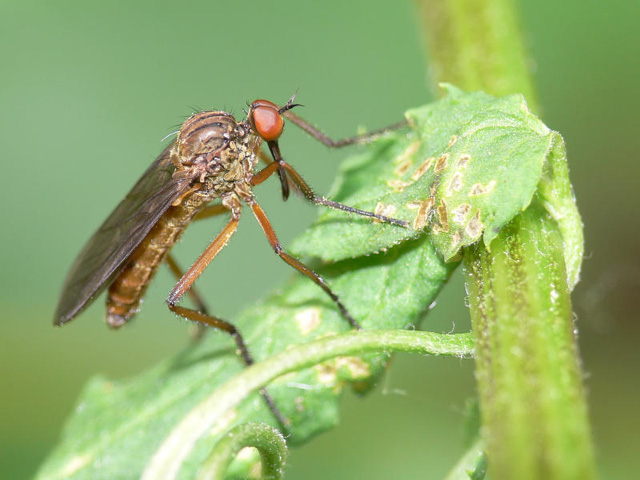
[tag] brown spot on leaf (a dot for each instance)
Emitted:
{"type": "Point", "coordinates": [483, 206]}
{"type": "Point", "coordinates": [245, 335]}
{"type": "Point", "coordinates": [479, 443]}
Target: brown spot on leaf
{"type": "Point", "coordinates": [463, 161]}
{"type": "Point", "coordinates": [422, 169]}
{"type": "Point", "coordinates": [408, 152]}
{"type": "Point", "coordinates": [384, 210]}
{"type": "Point", "coordinates": [356, 366]}
{"type": "Point", "coordinates": [398, 185]}
{"type": "Point", "coordinates": [327, 373]}
{"type": "Point", "coordinates": [475, 226]}
{"type": "Point", "coordinates": [443, 218]}
{"type": "Point", "coordinates": [308, 320]}
{"type": "Point", "coordinates": [422, 216]}
{"type": "Point", "coordinates": [459, 215]}
{"type": "Point", "coordinates": [455, 184]}
{"type": "Point", "coordinates": [455, 238]}
{"type": "Point", "coordinates": [478, 189]}
{"type": "Point", "coordinates": [441, 163]}
{"type": "Point", "coordinates": [404, 167]}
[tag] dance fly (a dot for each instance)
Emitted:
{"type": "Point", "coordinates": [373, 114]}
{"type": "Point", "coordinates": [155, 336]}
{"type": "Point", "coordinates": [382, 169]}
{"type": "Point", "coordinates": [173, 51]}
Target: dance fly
{"type": "Point", "coordinates": [209, 169]}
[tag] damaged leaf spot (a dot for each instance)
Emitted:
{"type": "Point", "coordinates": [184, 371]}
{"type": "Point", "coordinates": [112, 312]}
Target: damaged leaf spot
{"type": "Point", "coordinates": [443, 218]}
{"type": "Point", "coordinates": [475, 226]}
{"type": "Point", "coordinates": [463, 161]}
{"type": "Point", "coordinates": [308, 320]}
{"type": "Point", "coordinates": [424, 209]}
{"type": "Point", "coordinates": [408, 153]}
{"type": "Point", "coordinates": [384, 210]}
{"type": "Point", "coordinates": [356, 366]}
{"type": "Point", "coordinates": [422, 169]}
{"type": "Point", "coordinates": [478, 189]}
{"type": "Point", "coordinates": [456, 238]}
{"type": "Point", "coordinates": [404, 167]}
{"type": "Point", "coordinates": [441, 163]}
{"type": "Point", "coordinates": [327, 374]}
{"type": "Point", "coordinates": [459, 215]}
{"type": "Point", "coordinates": [398, 185]}
{"type": "Point", "coordinates": [455, 184]}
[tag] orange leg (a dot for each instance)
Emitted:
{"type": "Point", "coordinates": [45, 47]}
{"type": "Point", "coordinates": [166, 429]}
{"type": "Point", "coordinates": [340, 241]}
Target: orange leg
{"type": "Point", "coordinates": [204, 259]}
{"type": "Point", "coordinates": [185, 285]}
{"type": "Point", "coordinates": [295, 263]}
{"type": "Point", "coordinates": [264, 174]}
{"type": "Point", "coordinates": [207, 212]}
{"type": "Point", "coordinates": [199, 329]}
{"type": "Point", "coordinates": [193, 293]}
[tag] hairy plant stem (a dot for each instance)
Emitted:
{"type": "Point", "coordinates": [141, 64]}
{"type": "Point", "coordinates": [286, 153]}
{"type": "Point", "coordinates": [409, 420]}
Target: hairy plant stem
{"type": "Point", "coordinates": [534, 416]}
{"type": "Point", "coordinates": [533, 409]}
{"type": "Point", "coordinates": [476, 45]}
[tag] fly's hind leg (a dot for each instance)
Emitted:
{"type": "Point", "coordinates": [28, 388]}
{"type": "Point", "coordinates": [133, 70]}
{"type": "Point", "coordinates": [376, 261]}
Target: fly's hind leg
{"type": "Point", "coordinates": [199, 329]}
{"type": "Point", "coordinates": [217, 323]}
{"type": "Point", "coordinates": [185, 285]}
{"type": "Point", "coordinates": [196, 330]}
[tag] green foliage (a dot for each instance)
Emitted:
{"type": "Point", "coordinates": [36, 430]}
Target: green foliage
{"type": "Point", "coordinates": [470, 163]}
{"type": "Point", "coordinates": [466, 167]}
{"type": "Point", "coordinates": [556, 195]}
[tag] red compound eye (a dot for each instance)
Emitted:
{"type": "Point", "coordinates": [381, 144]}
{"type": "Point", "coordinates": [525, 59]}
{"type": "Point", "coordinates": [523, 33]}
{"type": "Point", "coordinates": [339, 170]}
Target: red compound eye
{"type": "Point", "coordinates": [266, 120]}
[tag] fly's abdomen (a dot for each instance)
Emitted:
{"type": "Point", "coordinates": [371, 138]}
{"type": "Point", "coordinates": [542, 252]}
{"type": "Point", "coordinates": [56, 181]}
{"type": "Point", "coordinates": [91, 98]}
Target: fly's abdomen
{"type": "Point", "coordinates": [126, 291]}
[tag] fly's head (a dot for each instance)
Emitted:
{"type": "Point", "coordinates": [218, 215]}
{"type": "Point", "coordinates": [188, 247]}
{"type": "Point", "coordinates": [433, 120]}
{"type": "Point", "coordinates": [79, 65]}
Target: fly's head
{"type": "Point", "coordinates": [266, 121]}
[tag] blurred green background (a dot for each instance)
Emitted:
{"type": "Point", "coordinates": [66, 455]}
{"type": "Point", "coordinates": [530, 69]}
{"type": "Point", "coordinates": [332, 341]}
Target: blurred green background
{"type": "Point", "coordinates": [88, 90]}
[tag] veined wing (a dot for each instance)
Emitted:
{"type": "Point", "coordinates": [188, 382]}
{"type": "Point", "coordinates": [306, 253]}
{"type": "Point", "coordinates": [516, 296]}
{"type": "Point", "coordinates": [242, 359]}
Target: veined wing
{"type": "Point", "coordinates": [106, 251]}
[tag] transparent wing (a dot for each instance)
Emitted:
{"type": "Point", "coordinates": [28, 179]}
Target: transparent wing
{"type": "Point", "coordinates": [107, 250]}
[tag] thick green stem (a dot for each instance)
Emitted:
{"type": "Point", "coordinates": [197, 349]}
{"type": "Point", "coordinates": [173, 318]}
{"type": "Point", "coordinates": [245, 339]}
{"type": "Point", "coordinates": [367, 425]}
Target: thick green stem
{"type": "Point", "coordinates": [533, 409]}
{"type": "Point", "coordinates": [532, 402]}
{"type": "Point", "coordinates": [476, 45]}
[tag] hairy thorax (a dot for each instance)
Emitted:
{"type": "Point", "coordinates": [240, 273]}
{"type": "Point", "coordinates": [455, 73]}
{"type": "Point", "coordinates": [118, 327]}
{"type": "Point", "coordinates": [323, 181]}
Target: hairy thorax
{"type": "Point", "coordinates": [220, 155]}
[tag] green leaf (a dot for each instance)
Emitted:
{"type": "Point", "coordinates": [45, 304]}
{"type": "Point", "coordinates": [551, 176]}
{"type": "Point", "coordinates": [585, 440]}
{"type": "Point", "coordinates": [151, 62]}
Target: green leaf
{"type": "Point", "coordinates": [556, 195]}
{"type": "Point", "coordinates": [470, 163]}
{"type": "Point", "coordinates": [118, 426]}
